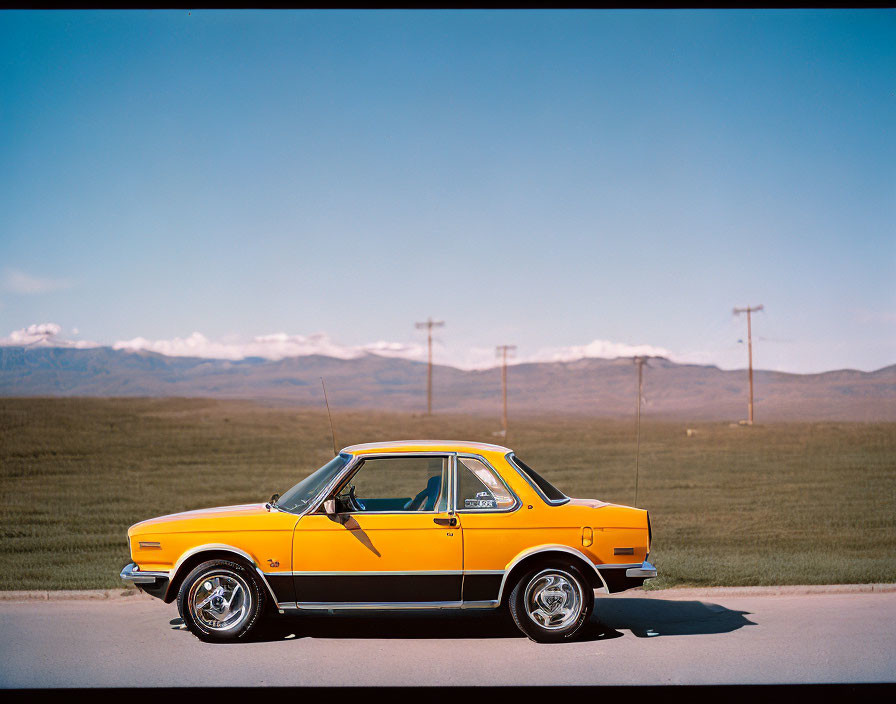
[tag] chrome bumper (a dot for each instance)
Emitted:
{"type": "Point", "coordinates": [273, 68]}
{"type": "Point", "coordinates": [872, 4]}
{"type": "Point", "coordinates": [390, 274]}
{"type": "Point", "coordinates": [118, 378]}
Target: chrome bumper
{"type": "Point", "coordinates": [132, 573]}
{"type": "Point", "coordinates": [646, 570]}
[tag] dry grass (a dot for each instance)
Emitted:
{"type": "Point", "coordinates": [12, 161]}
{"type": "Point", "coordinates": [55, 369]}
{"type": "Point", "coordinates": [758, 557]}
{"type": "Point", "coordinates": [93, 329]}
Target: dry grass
{"type": "Point", "coordinates": [799, 503]}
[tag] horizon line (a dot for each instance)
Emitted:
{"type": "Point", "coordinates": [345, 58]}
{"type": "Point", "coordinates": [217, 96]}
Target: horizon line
{"type": "Point", "coordinates": [72, 348]}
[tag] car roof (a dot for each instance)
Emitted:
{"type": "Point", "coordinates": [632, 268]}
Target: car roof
{"type": "Point", "coordinates": [425, 446]}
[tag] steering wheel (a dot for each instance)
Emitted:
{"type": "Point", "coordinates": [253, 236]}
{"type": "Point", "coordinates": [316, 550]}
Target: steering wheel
{"type": "Point", "coordinates": [353, 500]}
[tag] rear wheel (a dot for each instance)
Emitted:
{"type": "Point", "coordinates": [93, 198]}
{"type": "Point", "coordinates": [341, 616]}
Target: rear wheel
{"type": "Point", "coordinates": [551, 602]}
{"type": "Point", "coordinates": [220, 600]}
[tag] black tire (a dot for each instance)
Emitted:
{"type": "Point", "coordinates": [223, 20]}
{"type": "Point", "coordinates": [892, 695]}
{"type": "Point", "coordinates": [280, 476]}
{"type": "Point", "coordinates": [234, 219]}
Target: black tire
{"type": "Point", "coordinates": [569, 586]}
{"type": "Point", "coordinates": [201, 586]}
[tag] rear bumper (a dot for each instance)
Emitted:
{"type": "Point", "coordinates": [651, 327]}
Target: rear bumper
{"type": "Point", "coordinates": [619, 578]}
{"type": "Point", "coordinates": [646, 570]}
{"type": "Point", "coordinates": [153, 583]}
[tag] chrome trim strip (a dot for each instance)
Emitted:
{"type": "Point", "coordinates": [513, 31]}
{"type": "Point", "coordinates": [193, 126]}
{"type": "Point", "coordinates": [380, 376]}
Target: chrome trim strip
{"type": "Point", "coordinates": [384, 573]}
{"type": "Point", "coordinates": [266, 583]}
{"type": "Point", "coordinates": [226, 548]}
{"type": "Point", "coordinates": [208, 546]}
{"type": "Point", "coordinates": [481, 604]}
{"type": "Point", "coordinates": [315, 503]}
{"type": "Point", "coordinates": [375, 573]}
{"type": "Point", "coordinates": [517, 503]}
{"type": "Point", "coordinates": [509, 458]}
{"type": "Point", "coordinates": [408, 453]}
{"type": "Point", "coordinates": [552, 548]}
{"type": "Point", "coordinates": [452, 485]}
{"type": "Point", "coordinates": [132, 573]}
{"type": "Point", "coordinates": [471, 572]}
{"type": "Point", "coordinates": [617, 566]}
{"type": "Point", "coordinates": [350, 468]}
{"type": "Point", "coordinates": [383, 605]}
{"type": "Point", "coordinates": [411, 573]}
{"type": "Point", "coordinates": [645, 570]}
{"type": "Point", "coordinates": [393, 513]}
{"type": "Point", "coordinates": [364, 447]}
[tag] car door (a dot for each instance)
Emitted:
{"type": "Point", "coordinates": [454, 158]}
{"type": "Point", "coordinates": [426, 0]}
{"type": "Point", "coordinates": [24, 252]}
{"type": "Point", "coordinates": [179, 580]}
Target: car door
{"type": "Point", "coordinates": [396, 540]}
{"type": "Point", "coordinates": [493, 527]}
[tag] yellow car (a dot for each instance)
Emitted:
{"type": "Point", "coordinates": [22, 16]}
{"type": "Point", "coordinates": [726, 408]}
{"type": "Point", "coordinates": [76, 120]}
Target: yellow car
{"type": "Point", "coordinates": [397, 525]}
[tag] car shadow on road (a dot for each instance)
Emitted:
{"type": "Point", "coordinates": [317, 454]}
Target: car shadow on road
{"type": "Point", "coordinates": [648, 618]}
{"type": "Point", "coordinates": [644, 618]}
{"type": "Point", "coordinates": [443, 624]}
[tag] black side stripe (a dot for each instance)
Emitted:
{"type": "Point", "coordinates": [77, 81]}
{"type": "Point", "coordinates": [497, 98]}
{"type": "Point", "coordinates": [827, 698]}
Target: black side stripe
{"type": "Point", "coordinates": [482, 587]}
{"type": "Point", "coordinates": [377, 588]}
{"type": "Point", "coordinates": [283, 586]}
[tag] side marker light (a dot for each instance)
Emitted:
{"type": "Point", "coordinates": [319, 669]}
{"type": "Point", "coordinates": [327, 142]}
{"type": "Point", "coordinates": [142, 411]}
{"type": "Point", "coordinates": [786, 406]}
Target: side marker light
{"type": "Point", "coordinates": [587, 537]}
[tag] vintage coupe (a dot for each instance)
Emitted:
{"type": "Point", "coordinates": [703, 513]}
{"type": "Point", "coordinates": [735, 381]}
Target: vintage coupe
{"type": "Point", "coordinates": [397, 525]}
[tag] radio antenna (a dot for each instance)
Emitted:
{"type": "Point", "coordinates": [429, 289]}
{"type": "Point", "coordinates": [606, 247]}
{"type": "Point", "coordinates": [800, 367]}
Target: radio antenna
{"type": "Point", "coordinates": [329, 417]}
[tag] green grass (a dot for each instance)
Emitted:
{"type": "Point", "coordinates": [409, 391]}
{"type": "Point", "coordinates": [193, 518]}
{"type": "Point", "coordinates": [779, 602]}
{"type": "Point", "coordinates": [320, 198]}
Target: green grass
{"type": "Point", "coordinates": [796, 503]}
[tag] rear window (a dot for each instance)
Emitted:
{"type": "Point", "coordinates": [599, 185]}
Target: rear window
{"type": "Point", "coordinates": [545, 489]}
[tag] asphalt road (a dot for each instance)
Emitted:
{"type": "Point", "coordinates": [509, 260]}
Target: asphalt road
{"type": "Point", "coordinates": [656, 638]}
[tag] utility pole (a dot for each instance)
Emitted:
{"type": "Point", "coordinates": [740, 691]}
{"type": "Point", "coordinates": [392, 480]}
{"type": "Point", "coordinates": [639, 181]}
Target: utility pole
{"type": "Point", "coordinates": [429, 325]}
{"type": "Point", "coordinates": [640, 361]}
{"type": "Point", "coordinates": [503, 350]}
{"type": "Point", "coordinates": [748, 310]}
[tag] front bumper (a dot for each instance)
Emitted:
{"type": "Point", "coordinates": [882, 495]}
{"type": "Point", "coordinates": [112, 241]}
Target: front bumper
{"type": "Point", "coordinates": [645, 571]}
{"type": "Point", "coordinates": [153, 583]}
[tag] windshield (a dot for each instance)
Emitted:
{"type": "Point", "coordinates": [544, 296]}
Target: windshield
{"type": "Point", "coordinates": [297, 499]}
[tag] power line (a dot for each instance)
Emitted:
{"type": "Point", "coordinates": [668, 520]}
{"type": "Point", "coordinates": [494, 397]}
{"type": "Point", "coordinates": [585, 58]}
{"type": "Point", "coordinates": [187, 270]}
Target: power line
{"type": "Point", "coordinates": [429, 325]}
{"type": "Point", "coordinates": [503, 350]}
{"type": "Point", "coordinates": [749, 310]}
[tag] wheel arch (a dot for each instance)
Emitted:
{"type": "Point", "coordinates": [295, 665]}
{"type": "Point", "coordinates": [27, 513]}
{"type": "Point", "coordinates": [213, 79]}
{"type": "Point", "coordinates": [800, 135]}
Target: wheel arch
{"type": "Point", "coordinates": [533, 556]}
{"type": "Point", "coordinates": [202, 553]}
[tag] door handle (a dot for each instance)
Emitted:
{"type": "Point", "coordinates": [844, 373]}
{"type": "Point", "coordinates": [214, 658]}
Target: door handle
{"type": "Point", "coordinates": [445, 521]}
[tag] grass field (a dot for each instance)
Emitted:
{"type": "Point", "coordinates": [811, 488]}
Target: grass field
{"type": "Point", "coordinates": [801, 503]}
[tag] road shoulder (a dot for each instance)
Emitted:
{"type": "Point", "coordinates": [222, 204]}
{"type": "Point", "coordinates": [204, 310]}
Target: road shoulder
{"type": "Point", "coordinates": [672, 592]}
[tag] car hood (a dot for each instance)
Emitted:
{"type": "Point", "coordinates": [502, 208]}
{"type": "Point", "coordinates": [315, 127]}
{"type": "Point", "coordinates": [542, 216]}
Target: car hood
{"type": "Point", "coordinates": [239, 511]}
{"type": "Point", "coordinates": [590, 503]}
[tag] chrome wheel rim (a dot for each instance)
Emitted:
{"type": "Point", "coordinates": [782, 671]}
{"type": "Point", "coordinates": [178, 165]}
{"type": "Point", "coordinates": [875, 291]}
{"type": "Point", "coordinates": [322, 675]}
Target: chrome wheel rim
{"type": "Point", "coordinates": [220, 600]}
{"type": "Point", "coordinates": [553, 599]}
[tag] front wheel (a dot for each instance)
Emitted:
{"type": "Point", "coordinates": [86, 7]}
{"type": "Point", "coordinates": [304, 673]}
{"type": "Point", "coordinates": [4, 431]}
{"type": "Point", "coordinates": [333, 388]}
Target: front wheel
{"type": "Point", "coordinates": [220, 600]}
{"type": "Point", "coordinates": [552, 602]}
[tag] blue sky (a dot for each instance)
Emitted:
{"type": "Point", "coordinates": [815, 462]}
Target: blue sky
{"type": "Point", "coordinates": [548, 179]}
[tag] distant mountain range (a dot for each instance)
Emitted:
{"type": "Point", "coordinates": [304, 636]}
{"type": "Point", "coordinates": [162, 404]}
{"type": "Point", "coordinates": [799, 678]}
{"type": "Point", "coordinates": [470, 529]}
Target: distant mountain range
{"type": "Point", "coordinates": [595, 387]}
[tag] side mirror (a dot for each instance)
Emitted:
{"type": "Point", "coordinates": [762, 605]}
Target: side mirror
{"type": "Point", "coordinates": [331, 512]}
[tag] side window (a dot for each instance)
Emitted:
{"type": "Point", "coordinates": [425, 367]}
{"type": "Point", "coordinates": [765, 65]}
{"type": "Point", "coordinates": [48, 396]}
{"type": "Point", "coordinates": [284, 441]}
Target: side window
{"type": "Point", "coordinates": [398, 484]}
{"type": "Point", "coordinates": [479, 489]}
{"type": "Point", "coordinates": [548, 491]}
